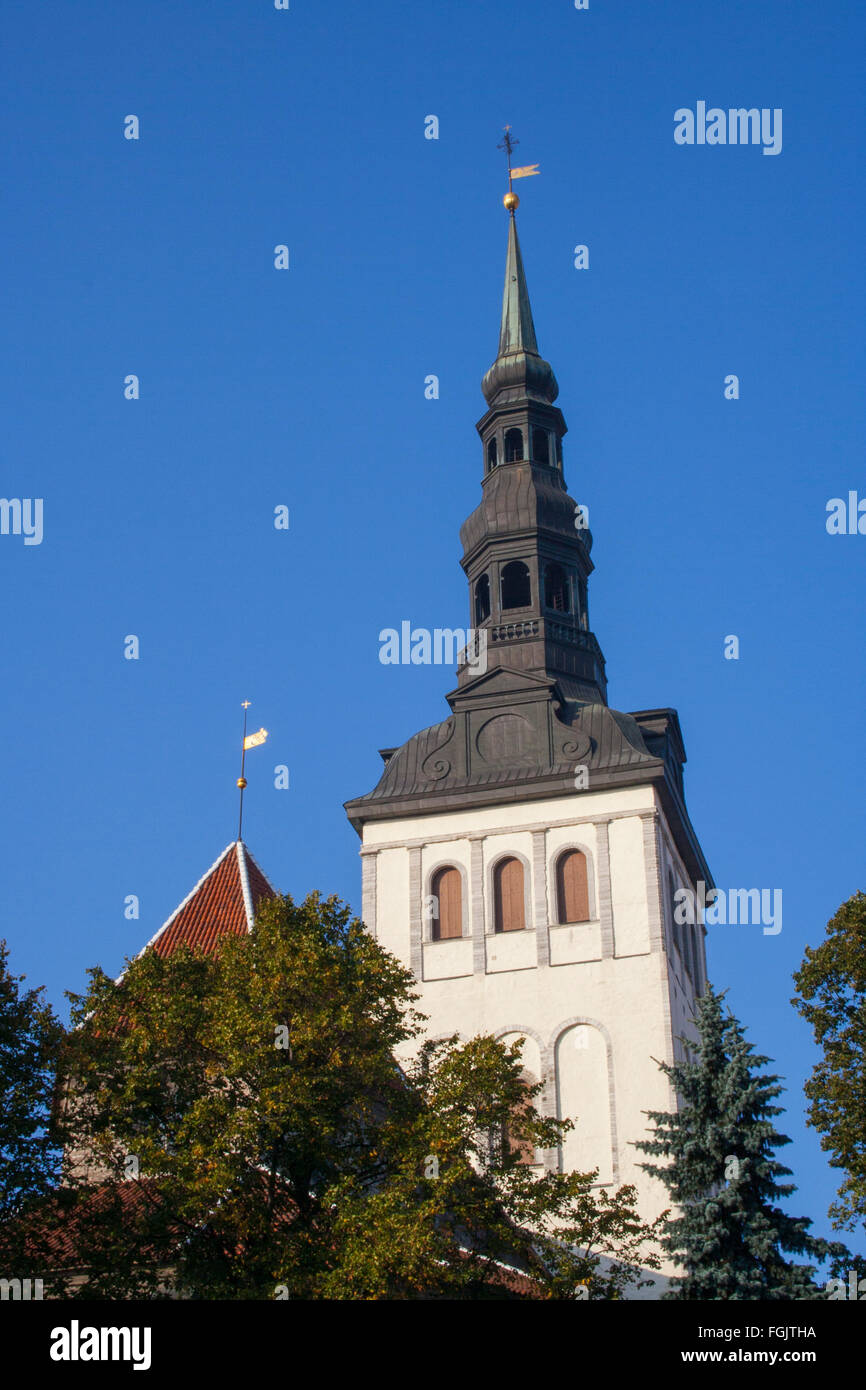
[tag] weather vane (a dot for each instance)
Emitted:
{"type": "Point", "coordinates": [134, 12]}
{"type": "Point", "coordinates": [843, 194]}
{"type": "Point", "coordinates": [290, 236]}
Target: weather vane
{"type": "Point", "coordinates": [511, 199]}
{"type": "Point", "coordinates": [248, 741]}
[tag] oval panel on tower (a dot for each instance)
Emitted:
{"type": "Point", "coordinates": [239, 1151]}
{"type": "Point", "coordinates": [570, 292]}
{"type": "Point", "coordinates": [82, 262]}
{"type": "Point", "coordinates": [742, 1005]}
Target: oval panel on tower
{"type": "Point", "coordinates": [507, 738]}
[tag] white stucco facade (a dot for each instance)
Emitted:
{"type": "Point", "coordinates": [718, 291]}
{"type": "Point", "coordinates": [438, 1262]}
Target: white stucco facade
{"type": "Point", "coordinates": [596, 1001]}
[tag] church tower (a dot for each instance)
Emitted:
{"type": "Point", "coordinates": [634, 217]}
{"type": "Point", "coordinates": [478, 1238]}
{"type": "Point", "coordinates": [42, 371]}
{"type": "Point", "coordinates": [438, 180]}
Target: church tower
{"type": "Point", "coordinates": [522, 855]}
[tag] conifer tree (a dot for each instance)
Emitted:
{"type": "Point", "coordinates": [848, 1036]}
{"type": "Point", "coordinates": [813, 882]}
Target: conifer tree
{"type": "Point", "coordinates": [728, 1232]}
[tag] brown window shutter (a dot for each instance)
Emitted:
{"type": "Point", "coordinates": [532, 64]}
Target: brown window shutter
{"type": "Point", "coordinates": [447, 890]}
{"type": "Point", "coordinates": [572, 887]}
{"type": "Point", "coordinates": [508, 896]}
{"type": "Point", "coordinates": [519, 1144]}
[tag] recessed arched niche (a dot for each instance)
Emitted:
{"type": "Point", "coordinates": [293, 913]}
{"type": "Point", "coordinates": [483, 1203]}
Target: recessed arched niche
{"type": "Point", "coordinates": [583, 1095]}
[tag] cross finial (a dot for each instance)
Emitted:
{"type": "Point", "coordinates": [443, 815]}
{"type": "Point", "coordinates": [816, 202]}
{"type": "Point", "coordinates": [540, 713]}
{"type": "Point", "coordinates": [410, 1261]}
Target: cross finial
{"type": "Point", "coordinates": [508, 146]}
{"type": "Point", "coordinates": [511, 199]}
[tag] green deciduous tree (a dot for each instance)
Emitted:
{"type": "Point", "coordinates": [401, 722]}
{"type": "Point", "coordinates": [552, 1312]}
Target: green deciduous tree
{"type": "Point", "coordinates": [30, 1039]}
{"type": "Point", "coordinates": [31, 1043]}
{"type": "Point", "coordinates": [729, 1234]}
{"type": "Point", "coordinates": [463, 1202]}
{"type": "Point", "coordinates": [252, 1099]}
{"type": "Point", "coordinates": [832, 998]}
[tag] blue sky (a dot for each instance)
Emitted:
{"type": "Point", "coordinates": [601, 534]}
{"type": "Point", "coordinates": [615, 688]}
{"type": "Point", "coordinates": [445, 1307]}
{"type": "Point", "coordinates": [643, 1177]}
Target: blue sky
{"type": "Point", "coordinates": [306, 388]}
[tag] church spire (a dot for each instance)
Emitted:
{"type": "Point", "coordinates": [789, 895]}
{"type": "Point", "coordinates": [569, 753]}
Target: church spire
{"type": "Point", "coordinates": [519, 371]}
{"type": "Point", "coordinates": [517, 332]}
{"type": "Point", "coordinates": [526, 546]}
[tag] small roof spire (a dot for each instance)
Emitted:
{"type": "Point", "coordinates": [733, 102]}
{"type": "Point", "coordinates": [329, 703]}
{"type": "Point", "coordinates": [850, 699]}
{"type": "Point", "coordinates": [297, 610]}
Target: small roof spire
{"type": "Point", "coordinates": [247, 741]}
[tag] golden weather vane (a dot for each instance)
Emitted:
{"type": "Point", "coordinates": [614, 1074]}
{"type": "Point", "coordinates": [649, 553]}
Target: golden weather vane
{"type": "Point", "coordinates": [511, 199]}
{"type": "Point", "coordinates": [248, 741]}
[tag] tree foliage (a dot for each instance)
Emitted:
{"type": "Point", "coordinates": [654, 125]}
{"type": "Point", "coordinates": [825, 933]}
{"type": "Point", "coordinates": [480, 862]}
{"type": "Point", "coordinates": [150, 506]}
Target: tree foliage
{"type": "Point", "coordinates": [832, 998]}
{"type": "Point", "coordinates": [729, 1234]}
{"type": "Point", "coordinates": [30, 1041]}
{"type": "Point", "coordinates": [252, 1101]}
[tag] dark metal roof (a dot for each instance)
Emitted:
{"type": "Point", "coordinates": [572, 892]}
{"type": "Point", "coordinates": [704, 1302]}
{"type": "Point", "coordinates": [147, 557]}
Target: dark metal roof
{"type": "Point", "coordinates": [522, 497]}
{"type": "Point", "coordinates": [523, 744]}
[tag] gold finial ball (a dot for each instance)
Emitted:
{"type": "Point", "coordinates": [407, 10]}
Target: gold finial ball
{"type": "Point", "coordinates": [242, 782]}
{"type": "Point", "coordinates": [511, 201]}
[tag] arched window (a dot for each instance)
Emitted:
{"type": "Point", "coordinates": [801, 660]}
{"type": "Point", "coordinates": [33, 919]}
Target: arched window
{"type": "Point", "coordinates": [512, 1138]}
{"type": "Point", "coordinates": [447, 890]}
{"type": "Point", "coordinates": [508, 913]}
{"type": "Point", "coordinates": [540, 446]}
{"type": "Point", "coordinates": [516, 590]}
{"type": "Point", "coordinates": [556, 589]}
{"type": "Point", "coordinates": [491, 454]}
{"type": "Point", "coordinates": [513, 445]}
{"type": "Point", "coordinates": [482, 599]}
{"type": "Point", "coordinates": [572, 887]}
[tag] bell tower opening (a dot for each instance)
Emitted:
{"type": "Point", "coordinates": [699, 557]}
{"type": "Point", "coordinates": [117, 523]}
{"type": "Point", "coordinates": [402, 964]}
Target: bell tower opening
{"type": "Point", "coordinates": [556, 589]}
{"type": "Point", "coordinates": [516, 586]}
{"type": "Point", "coordinates": [513, 445]}
{"type": "Point", "coordinates": [482, 599]}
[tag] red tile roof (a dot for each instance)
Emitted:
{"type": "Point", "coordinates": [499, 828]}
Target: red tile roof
{"type": "Point", "coordinates": [223, 902]}
{"type": "Point", "coordinates": [59, 1232]}
{"type": "Point", "coordinates": [52, 1229]}
{"type": "Point", "coordinates": [56, 1231]}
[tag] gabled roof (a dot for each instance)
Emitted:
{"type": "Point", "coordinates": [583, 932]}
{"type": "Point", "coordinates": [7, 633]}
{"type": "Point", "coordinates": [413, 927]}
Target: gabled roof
{"type": "Point", "coordinates": [223, 902]}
